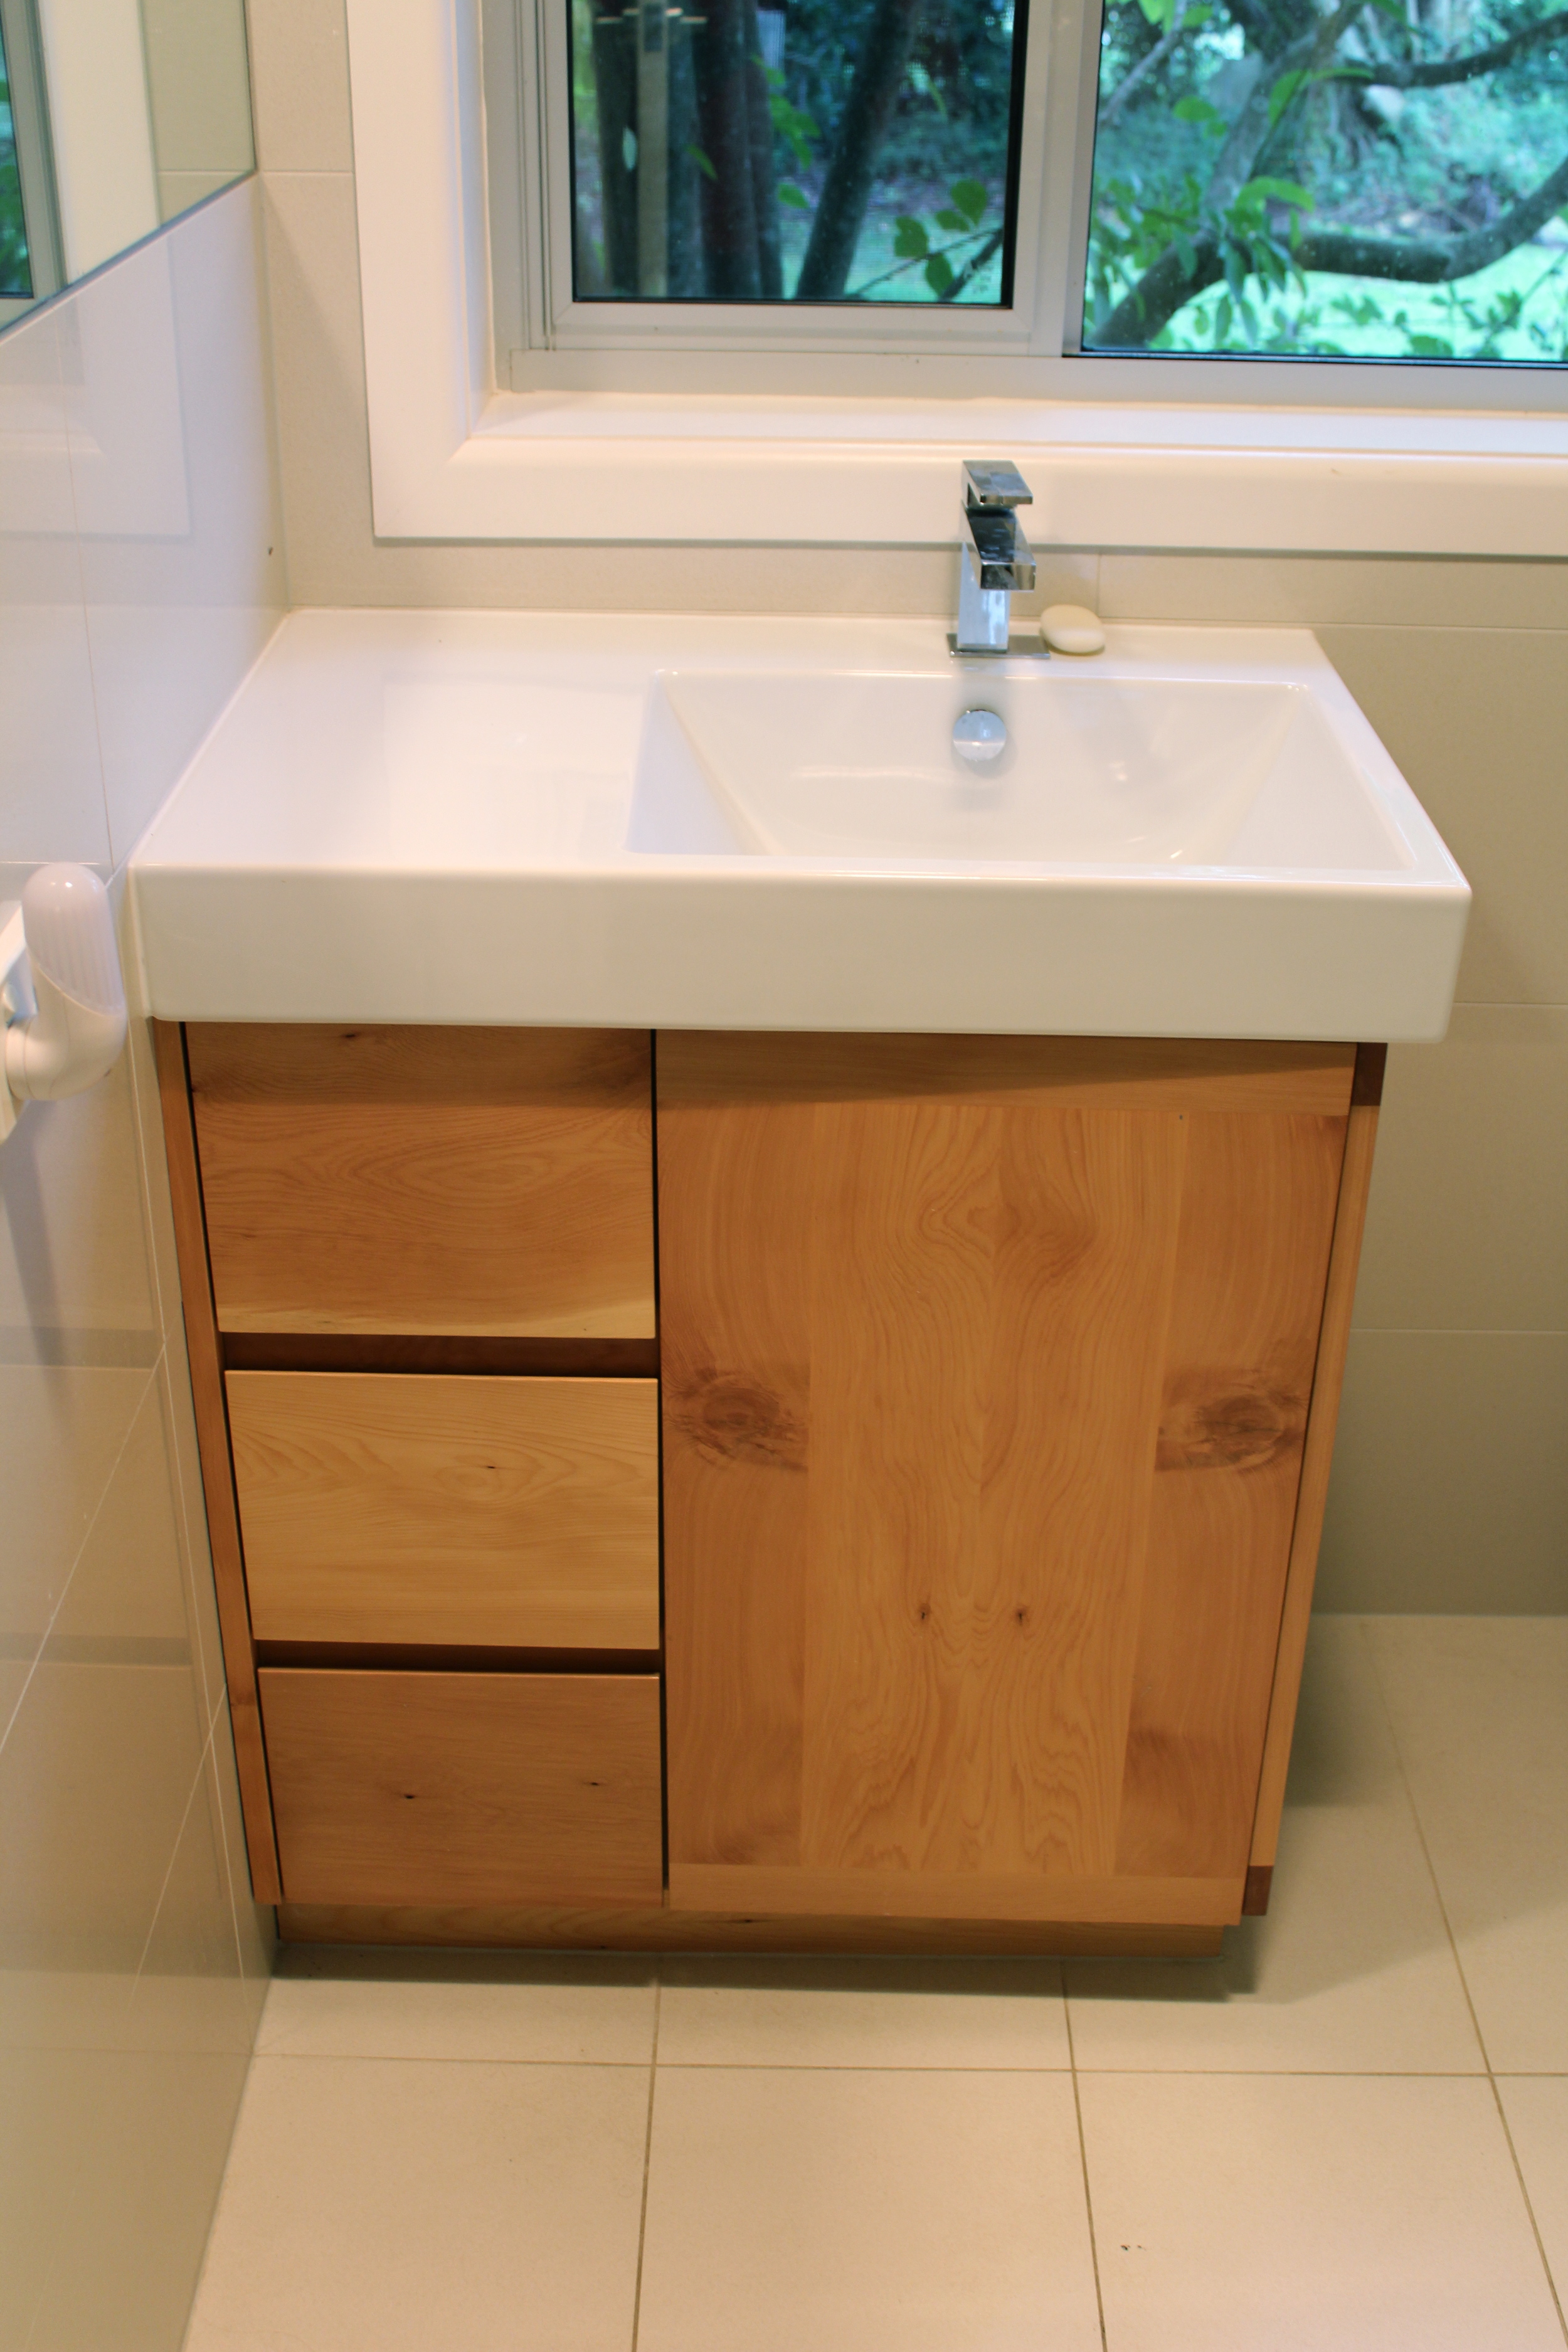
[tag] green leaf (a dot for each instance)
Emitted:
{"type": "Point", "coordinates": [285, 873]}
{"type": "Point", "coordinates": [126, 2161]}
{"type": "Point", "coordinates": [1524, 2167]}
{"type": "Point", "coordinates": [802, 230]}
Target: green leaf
{"type": "Point", "coordinates": [1197, 109]}
{"type": "Point", "coordinates": [790, 195]}
{"type": "Point", "coordinates": [910, 239]}
{"type": "Point", "coordinates": [969, 198]}
{"type": "Point", "coordinates": [953, 222]}
{"type": "Point", "coordinates": [1430, 347]}
{"type": "Point", "coordinates": [1284, 93]}
{"type": "Point", "coordinates": [1280, 192]}
{"type": "Point", "coordinates": [1155, 10]}
{"type": "Point", "coordinates": [939, 273]}
{"type": "Point", "coordinates": [700, 160]}
{"type": "Point", "coordinates": [1223, 316]}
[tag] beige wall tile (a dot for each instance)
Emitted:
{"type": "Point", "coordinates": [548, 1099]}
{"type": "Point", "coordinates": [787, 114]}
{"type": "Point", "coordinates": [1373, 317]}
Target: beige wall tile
{"type": "Point", "coordinates": [256, 1924]}
{"type": "Point", "coordinates": [1478, 720]}
{"type": "Point", "coordinates": [1450, 1481]}
{"type": "Point", "coordinates": [190, 1993]}
{"type": "Point", "coordinates": [198, 85]}
{"type": "Point", "coordinates": [1467, 1226]}
{"type": "Point", "coordinates": [155, 2129]}
{"type": "Point", "coordinates": [299, 65]}
{"type": "Point", "coordinates": [65, 1426]}
{"type": "Point", "coordinates": [1320, 591]}
{"type": "Point", "coordinates": [76, 1285]}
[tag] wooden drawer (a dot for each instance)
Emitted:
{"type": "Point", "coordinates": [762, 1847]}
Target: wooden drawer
{"type": "Point", "coordinates": [379, 1506]}
{"type": "Point", "coordinates": [466, 1181]}
{"type": "Point", "coordinates": [433, 1788]}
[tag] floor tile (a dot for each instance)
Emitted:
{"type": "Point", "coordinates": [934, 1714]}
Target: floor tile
{"type": "Point", "coordinates": [1480, 1711]}
{"type": "Point", "coordinates": [584, 2008]}
{"type": "Point", "coordinates": [1269, 2213]}
{"type": "Point", "coordinates": [1352, 1970]}
{"type": "Point", "coordinates": [376, 2205]}
{"type": "Point", "coordinates": [1536, 2106]}
{"type": "Point", "coordinates": [854, 2012]}
{"type": "Point", "coordinates": [873, 2211]}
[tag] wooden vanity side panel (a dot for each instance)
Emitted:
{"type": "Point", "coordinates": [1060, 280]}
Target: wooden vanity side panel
{"type": "Point", "coordinates": [917, 1367]}
{"type": "Point", "coordinates": [202, 1349]}
{"type": "Point", "coordinates": [429, 1788]}
{"type": "Point", "coordinates": [1257, 1216]}
{"type": "Point", "coordinates": [1328, 1383]}
{"type": "Point", "coordinates": [482, 1181]}
{"type": "Point", "coordinates": [419, 1507]}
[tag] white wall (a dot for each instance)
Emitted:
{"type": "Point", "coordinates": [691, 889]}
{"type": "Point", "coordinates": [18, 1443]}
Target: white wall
{"type": "Point", "coordinates": [141, 573]}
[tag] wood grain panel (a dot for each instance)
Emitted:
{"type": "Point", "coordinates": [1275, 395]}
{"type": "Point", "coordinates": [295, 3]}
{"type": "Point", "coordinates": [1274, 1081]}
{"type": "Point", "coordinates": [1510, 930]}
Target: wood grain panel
{"type": "Point", "coordinates": [737, 1410]}
{"type": "Point", "coordinates": [386, 1507]}
{"type": "Point", "coordinates": [958, 1895]}
{"type": "Point", "coordinates": [217, 1478]}
{"type": "Point", "coordinates": [426, 1788]}
{"type": "Point", "coordinates": [540, 1928]}
{"type": "Point", "coordinates": [486, 1182]}
{"type": "Point", "coordinates": [735, 1066]}
{"type": "Point", "coordinates": [1257, 1216]}
{"type": "Point", "coordinates": [1328, 1382]}
{"type": "Point", "coordinates": [983, 1417]}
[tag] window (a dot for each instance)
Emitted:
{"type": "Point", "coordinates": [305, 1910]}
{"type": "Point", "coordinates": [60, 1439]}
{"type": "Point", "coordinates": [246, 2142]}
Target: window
{"type": "Point", "coordinates": [1179, 180]}
{"type": "Point", "coordinates": [807, 152]}
{"type": "Point", "coordinates": [1382, 181]}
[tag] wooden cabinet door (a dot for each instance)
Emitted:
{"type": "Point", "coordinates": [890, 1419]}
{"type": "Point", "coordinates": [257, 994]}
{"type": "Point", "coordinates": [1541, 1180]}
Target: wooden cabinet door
{"type": "Point", "coordinates": [986, 1369]}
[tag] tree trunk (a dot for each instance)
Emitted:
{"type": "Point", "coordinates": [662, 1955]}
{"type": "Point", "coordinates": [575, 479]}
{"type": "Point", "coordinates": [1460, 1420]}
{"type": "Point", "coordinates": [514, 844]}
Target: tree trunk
{"type": "Point", "coordinates": [846, 191]}
{"type": "Point", "coordinates": [764, 188]}
{"type": "Point", "coordinates": [685, 216]}
{"type": "Point", "coordinates": [615, 81]}
{"type": "Point", "coordinates": [731, 268]}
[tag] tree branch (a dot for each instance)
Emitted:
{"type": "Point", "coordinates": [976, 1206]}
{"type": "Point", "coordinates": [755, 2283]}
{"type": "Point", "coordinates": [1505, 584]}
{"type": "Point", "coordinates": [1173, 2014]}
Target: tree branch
{"type": "Point", "coordinates": [1421, 261]}
{"type": "Point", "coordinates": [1481, 61]}
{"type": "Point", "coordinates": [1148, 63]}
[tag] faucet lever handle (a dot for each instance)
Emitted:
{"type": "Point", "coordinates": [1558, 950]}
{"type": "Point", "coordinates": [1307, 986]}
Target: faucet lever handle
{"type": "Point", "coordinates": [994, 483]}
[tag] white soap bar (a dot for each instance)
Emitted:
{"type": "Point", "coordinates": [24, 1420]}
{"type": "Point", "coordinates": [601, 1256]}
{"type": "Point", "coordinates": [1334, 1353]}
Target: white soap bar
{"type": "Point", "coordinates": [1072, 629]}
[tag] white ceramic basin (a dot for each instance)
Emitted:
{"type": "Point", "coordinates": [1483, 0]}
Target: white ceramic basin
{"type": "Point", "coordinates": [670, 823]}
{"type": "Point", "coordinates": [1150, 775]}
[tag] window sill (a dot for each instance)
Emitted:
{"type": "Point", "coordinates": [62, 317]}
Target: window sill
{"type": "Point", "coordinates": [452, 461]}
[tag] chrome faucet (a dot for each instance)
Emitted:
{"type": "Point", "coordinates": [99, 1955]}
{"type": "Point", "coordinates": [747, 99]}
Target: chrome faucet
{"type": "Point", "coordinates": [993, 556]}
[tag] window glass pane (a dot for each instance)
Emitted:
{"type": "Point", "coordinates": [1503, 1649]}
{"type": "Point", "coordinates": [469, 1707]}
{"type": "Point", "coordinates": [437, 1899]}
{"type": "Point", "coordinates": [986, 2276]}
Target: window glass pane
{"type": "Point", "coordinates": [1380, 178]}
{"type": "Point", "coordinates": [820, 151]}
{"type": "Point", "coordinates": [15, 277]}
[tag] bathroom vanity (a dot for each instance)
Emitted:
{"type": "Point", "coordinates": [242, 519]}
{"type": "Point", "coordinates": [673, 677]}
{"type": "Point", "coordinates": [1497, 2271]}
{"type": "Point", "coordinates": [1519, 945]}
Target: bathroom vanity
{"type": "Point", "coordinates": [706, 1482]}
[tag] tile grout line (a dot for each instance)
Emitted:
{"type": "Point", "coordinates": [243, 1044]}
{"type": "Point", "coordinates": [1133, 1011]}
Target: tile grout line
{"type": "Point", "coordinates": [1083, 2165]}
{"type": "Point", "coordinates": [647, 2161]}
{"type": "Point", "coordinates": [8, 1726]}
{"type": "Point", "coordinates": [1465, 1986]}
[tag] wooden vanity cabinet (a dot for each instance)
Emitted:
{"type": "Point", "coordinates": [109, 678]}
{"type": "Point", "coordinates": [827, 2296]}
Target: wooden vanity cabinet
{"type": "Point", "coordinates": [930, 1569]}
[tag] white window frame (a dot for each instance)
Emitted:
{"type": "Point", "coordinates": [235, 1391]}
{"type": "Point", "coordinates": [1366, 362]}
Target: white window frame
{"type": "Point", "coordinates": [821, 442]}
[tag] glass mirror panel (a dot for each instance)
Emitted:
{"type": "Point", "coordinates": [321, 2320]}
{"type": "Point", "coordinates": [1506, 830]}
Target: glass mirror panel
{"type": "Point", "coordinates": [115, 115]}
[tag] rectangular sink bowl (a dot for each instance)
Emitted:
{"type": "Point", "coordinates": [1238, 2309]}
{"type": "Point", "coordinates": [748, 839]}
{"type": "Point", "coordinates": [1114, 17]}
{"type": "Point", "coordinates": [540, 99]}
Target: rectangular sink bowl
{"type": "Point", "coordinates": [1142, 777]}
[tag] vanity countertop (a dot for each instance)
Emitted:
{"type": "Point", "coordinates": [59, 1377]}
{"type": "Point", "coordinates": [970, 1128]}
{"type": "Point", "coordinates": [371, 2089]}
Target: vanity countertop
{"type": "Point", "coordinates": [434, 816]}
